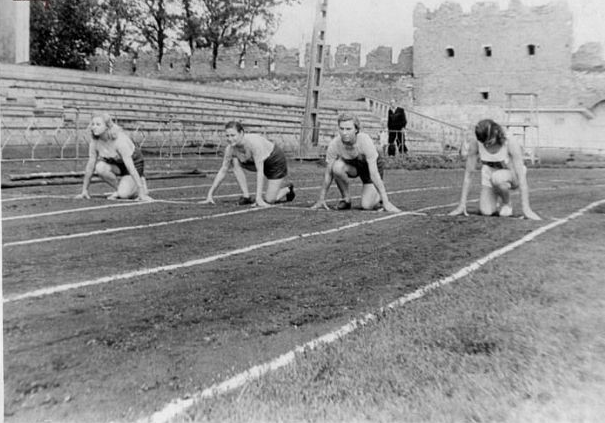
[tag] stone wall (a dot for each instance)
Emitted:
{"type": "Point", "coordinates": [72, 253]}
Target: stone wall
{"type": "Point", "coordinates": [348, 57]}
{"type": "Point", "coordinates": [280, 61]}
{"type": "Point", "coordinates": [589, 57]}
{"type": "Point", "coordinates": [476, 58]}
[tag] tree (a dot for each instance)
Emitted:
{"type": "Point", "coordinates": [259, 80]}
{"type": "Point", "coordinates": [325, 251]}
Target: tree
{"type": "Point", "coordinates": [155, 21]}
{"type": "Point", "coordinates": [118, 19]}
{"type": "Point", "coordinates": [191, 29]}
{"type": "Point", "coordinates": [65, 33]}
{"type": "Point", "coordinates": [219, 26]}
{"type": "Point", "coordinates": [260, 22]}
{"type": "Point", "coordinates": [240, 22]}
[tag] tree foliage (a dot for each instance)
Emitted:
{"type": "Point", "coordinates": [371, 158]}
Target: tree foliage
{"type": "Point", "coordinates": [224, 23]}
{"type": "Point", "coordinates": [154, 19]}
{"type": "Point", "coordinates": [65, 33]}
{"type": "Point", "coordinates": [191, 23]}
{"type": "Point", "coordinates": [118, 16]}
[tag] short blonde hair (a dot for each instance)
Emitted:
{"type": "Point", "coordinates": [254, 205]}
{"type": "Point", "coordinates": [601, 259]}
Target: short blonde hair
{"type": "Point", "coordinates": [113, 129]}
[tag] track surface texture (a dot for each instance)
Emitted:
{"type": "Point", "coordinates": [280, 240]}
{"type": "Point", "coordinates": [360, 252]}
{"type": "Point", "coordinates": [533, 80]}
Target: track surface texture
{"type": "Point", "coordinates": [131, 334]}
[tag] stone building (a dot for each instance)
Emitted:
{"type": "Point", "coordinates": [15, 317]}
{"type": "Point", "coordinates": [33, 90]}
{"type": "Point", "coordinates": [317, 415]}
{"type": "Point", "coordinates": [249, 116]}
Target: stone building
{"type": "Point", "coordinates": [476, 58]}
{"type": "Point", "coordinates": [347, 57]}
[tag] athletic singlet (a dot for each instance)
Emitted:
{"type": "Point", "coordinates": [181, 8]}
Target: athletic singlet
{"type": "Point", "coordinates": [254, 145]}
{"type": "Point", "coordinates": [498, 159]}
{"type": "Point", "coordinates": [113, 152]}
{"type": "Point", "coordinates": [363, 149]}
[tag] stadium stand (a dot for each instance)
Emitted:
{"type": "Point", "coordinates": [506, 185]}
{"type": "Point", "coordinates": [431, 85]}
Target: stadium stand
{"type": "Point", "coordinates": [49, 106]}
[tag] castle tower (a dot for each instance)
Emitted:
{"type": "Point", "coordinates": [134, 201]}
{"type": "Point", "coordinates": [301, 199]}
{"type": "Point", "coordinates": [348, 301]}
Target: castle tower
{"type": "Point", "coordinates": [476, 58]}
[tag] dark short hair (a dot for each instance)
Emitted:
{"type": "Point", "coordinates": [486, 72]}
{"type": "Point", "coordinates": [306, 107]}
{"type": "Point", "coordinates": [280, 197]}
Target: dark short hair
{"type": "Point", "coordinates": [346, 117]}
{"type": "Point", "coordinates": [235, 124]}
{"type": "Point", "coordinates": [487, 129]}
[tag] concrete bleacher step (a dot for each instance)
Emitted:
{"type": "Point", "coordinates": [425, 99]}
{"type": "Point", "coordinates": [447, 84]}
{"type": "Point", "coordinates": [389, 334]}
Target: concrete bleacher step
{"type": "Point", "coordinates": [154, 111]}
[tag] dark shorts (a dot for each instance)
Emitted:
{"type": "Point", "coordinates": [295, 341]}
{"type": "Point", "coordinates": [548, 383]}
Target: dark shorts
{"type": "Point", "coordinates": [137, 158]}
{"type": "Point", "coordinates": [363, 171]}
{"type": "Point", "coordinates": [275, 166]}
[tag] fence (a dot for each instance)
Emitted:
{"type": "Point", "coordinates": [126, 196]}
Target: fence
{"type": "Point", "coordinates": [425, 133]}
{"type": "Point", "coordinates": [66, 137]}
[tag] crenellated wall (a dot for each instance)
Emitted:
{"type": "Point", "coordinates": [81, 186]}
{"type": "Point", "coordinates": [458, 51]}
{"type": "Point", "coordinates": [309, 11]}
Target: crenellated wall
{"type": "Point", "coordinates": [281, 61]}
{"type": "Point", "coordinates": [458, 58]}
{"type": "Point", "coordinates": [476, 57]}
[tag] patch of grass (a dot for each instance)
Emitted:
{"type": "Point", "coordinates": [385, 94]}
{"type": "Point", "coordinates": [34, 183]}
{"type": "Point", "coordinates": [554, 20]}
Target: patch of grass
{"type": "Point", "coordinates": [521, 339]}
{"type": "Point", "coordinates": [419, 162]}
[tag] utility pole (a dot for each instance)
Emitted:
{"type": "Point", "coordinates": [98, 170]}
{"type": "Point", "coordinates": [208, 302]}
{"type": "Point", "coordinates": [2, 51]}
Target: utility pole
{"type": "Point", "coordinates": [310, 126]}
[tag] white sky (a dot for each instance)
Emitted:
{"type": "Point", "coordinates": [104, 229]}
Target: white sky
{"type": "Point", "coordinates": [389, 22]}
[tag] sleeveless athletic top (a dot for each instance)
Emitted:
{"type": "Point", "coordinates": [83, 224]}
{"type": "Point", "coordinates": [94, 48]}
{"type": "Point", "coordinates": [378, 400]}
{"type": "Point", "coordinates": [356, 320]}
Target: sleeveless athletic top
{"type": "Point", "coordinates": [498, 159]}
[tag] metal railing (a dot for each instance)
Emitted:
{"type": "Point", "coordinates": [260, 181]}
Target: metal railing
{"type": "Point", "coordinates": [424, 129]}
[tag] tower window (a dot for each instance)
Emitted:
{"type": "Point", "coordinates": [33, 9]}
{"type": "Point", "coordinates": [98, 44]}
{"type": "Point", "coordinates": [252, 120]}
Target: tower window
{"type": "Point", "coordinates": [487, 50]}
{"type": "Point", "coordinates": [485, 95]}
{"type": "Point", "coordinates": [531, 49]}
{"type": "Point", "coordinates": [449, 52]}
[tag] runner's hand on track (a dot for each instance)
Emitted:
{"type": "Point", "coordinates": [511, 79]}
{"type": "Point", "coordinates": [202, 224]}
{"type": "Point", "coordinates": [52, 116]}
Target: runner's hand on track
{"type": "Point", "coordinates": [320, 204]}
{"type": "Point", "coordinates": [461, 209]}
{"type": "Point", "coordinates": [390, 207]}
{"type": "Point", "coordinates": [144, 197]}
{"type": "Point", "coordinates": [83, 196]}
{"type": "Point", "coordinates": [529, 214]}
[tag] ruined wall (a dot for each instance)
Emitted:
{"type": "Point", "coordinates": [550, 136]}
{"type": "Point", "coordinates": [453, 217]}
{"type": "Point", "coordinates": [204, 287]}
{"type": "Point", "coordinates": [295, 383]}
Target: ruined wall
{"type": "Point", "coordinates": [588, 57]}
{"type": "Point", "coordinates": [287, 61]}
{"type": "Point", "coordinates": [476, 58]}
{"type": "Point", "coordinates": [347, 58]}
{"type": "Point", "coordinates": [379, 58]}
{"type": "Point", "coordinates": [405, 61]}
{"type": "Point", "coordinates": [257, 64]}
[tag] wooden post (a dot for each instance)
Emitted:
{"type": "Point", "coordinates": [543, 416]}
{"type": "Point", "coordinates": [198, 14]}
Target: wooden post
{"type": "Point", "coordinates": [310, 125]}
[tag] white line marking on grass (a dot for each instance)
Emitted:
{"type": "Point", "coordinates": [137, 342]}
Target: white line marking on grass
{"type": "Point", "coordinates": [174, 201]}
{"type": "Point", "coordinates": [37, 197]}
{"type": "Point", "coordinates": [127, 228]}
{"type": "Point", "coordinates": [179, 406]}
{"type": "Point", "coordinates": [150, 271]}
{"type": "Point", "coordinates": [209, 185]}
{"type": "Point", "coordinates": [107, 206]}
{"type": "Point", "coordinates": [151, 225]}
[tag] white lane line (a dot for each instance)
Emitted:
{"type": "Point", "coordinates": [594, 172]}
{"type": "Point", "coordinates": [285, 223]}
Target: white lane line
{"type": "Point", "coordinates": [122, 203]}
{"type": "Point", "coordinates": [169, 222]}
{"type": "Point", "coordinates": [36, 197]}
{"type": "Point", "coordinates": [117, 203]}
{"type": "Point", "coordinates": [179, 406]}
{"type": "Point", "coordinates": [301, 181]}
{"type": "Point", "coordinates": [317, 187]}
{"type": "Point", "coordinates": [127, 228]}
{"type": "Point", "coordinates": [172, 188]}
{"type": "Point", "coordinates": [150, 271]}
